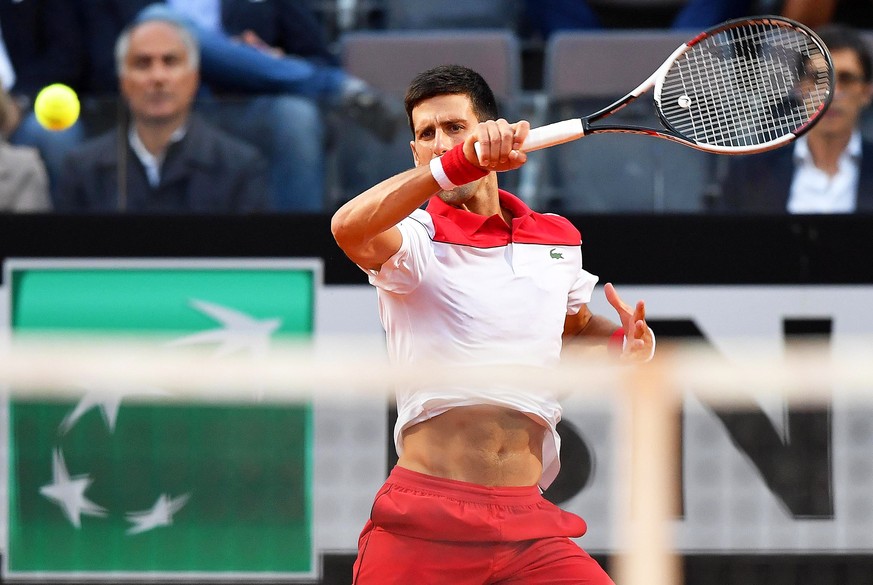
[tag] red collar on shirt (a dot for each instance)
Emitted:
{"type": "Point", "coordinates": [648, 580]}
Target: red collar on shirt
{"type": "Point", "coordinates": [458, 226]}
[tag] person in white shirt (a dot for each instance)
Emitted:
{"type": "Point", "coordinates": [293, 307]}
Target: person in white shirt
{"type": "Point", "coordinates": [830, 169]}
{"type": "Point", "coordinates": [475, 278]}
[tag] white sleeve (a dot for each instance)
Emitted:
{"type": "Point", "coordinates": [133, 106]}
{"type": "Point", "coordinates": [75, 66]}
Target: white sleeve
{"type": "Point", "coordinates": [403, 271]}
{"type": "Point", "coordinates": [581, 291]}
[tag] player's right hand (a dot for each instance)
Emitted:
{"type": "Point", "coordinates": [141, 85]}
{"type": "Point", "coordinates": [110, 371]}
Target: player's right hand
{"type": "Point", "coordinates": [499, 144]}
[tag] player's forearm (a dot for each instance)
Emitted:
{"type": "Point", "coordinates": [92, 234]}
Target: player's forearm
{"type": "Point", "coordinates": [591, 341]}
{"type": "Point", "coordinates": [598, 330]}
{"type": "Point", "coordinates": [381, 207]}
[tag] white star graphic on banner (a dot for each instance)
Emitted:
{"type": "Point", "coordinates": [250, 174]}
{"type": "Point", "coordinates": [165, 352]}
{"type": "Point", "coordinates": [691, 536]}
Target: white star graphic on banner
{"type": "Point", "coordinates": [161, 514]}
{"type": "Point", "coordinates": [239, 331]}
{"type": "Point", "coordinates": [109, 401]}
{"type": "Point", "coordinates": [69, 493]}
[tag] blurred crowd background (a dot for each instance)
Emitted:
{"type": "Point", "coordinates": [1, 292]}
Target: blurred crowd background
{"type": "Point", "coordinates": [295, 106]}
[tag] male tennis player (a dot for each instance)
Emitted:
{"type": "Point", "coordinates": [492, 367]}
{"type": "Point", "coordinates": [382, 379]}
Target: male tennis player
{"type": "Point", "coordinates": [475, 278]}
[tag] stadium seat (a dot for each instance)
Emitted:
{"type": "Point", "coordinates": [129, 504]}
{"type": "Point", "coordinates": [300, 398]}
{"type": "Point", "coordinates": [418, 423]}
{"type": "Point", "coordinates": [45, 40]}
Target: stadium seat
{"type": "Point", "coordinates": [586, 71]}
{"type": "Point", "coordinates": [389, 61]}
{"type": "Point", "coordinates": [451, 14]}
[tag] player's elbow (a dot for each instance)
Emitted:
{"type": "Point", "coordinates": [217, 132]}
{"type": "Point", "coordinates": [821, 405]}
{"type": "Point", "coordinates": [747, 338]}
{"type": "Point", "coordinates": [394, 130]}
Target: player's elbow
{"type": "Point", "coordinates": [338, 226]}
{"type": "Point", "coordinates": [343, 229]}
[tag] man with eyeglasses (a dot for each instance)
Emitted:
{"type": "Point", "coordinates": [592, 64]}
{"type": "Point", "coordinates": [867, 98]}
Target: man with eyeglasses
{"type": "Point", "coordinates": [830, 170]}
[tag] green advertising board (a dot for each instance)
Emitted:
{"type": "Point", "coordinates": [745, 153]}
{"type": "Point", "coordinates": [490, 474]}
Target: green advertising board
{"type": "Point", "coordinates": [103, 487]}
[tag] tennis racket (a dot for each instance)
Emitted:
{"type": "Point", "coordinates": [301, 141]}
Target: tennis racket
{"type": "Point", "coordinates": [744, 86]}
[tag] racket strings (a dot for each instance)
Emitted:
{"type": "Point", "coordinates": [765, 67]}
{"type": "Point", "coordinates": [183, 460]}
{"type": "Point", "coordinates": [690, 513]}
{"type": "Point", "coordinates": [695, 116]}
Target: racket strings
{"type": "Point", "coordinates": [755, 102]}
{"type": "Point", "coordinates": [776, 82]}
{"type": "Point", "coordinates": [746, 86]}
{"type": "Point", "coordinates": [744, 112]}
{"type": "Point", "coordinates": [725, 109]}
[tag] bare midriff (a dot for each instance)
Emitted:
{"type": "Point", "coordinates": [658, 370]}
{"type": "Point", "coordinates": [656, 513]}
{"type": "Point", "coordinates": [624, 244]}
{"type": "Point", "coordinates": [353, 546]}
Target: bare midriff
{"type": "Point", "coordinates": [486, 445]}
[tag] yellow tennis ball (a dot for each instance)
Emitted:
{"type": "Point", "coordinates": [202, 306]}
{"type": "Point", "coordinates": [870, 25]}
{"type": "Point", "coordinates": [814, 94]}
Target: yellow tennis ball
{"type": "Point", "coordinates": [56, 107]}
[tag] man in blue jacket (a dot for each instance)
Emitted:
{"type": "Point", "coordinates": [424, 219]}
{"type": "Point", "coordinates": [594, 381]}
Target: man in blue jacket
{"type": "Point", "coordinates": [166, 160]}
{"type": "Point", "coordinates": [270, 67]}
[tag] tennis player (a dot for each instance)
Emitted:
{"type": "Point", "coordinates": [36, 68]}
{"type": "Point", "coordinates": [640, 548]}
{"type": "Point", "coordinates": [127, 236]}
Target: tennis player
{"type": "Point", "coordinates": [476, 277]}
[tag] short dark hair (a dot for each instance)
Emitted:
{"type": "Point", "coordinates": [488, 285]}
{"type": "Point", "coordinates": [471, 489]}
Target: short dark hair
{"type": "Point", "coordinates": [838, 36]}
{"type": "Point", "coordinates": [449, 80]}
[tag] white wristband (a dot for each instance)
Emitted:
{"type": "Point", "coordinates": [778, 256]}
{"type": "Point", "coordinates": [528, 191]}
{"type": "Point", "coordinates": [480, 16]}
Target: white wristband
{"type": "Point", "coordinates": [436, 169]}
{"type": "Point", "coordinates": [651, 355]}
{"type": "Point", "coordinates": [654, 343]}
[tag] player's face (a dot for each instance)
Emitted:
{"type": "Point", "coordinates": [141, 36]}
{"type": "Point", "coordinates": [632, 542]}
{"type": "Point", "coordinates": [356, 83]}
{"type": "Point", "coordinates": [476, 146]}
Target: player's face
{"type": "Point", "coordinates": [852, 94]}
{"type": "Point", "coordinates": [158, 80]}
{"type": "Point", "coordinates": [439, 124]}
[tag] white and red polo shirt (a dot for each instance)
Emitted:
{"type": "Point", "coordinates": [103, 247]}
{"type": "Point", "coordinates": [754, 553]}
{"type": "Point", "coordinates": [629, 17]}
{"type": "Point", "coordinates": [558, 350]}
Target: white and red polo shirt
{"type": "Point", "coordinates": [465, 289]}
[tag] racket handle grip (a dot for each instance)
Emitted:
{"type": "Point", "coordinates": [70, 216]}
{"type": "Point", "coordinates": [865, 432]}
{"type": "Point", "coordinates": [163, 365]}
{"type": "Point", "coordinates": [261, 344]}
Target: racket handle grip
{"type": "Point", "coordinates": [553, 134]}
{"type": "Point", "coordinates": [550, 135]}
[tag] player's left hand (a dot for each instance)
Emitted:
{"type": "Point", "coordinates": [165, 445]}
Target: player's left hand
{"type": "Point", "coordinates": [640, 346]}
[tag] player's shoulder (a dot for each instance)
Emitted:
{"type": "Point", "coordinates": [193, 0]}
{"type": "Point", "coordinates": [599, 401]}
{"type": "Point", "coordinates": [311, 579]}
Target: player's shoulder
{"type": "Point", "coordinates": [421, 222]}
{"type": "Point", "coordinates": [539, 227]}
{"type": "Point", "coordinates": [551, 228]}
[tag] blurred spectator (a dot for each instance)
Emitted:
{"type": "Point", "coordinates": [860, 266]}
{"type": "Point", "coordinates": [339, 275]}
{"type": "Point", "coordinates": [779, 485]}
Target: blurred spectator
{"type": "Point", "coordinates": [544, 17]}
{"type": "Point", "coordinates": [830, 169]}
{"type": "Point", "coordinates": [273, 49]}
{"type": "Point", "coordinates": [166, 159]}
{"type": "Point", "coordinates": [816, 13]}
{"type": "Point", "coordinates": [43, 42]}
{"type": "Point", "coordinates": [23, 178]}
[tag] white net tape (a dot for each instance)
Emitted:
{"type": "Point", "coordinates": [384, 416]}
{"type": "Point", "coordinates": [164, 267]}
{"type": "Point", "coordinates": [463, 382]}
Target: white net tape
{"type": "Point", "coordinates": [345, 370]}
{"type": "Point", "coordinates": [338, 368]}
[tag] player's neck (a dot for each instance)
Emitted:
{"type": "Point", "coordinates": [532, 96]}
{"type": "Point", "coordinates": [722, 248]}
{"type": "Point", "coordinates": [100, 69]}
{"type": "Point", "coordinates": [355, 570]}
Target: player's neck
{"type": "Point", "coordinates": [486, 200]}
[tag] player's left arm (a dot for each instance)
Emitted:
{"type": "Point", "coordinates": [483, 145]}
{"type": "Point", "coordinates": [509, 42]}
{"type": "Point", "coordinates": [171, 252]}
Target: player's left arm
{"type": "Point", "coordinates": [639, 340]}
{"type": "Point", "coordinates": [633, 340]}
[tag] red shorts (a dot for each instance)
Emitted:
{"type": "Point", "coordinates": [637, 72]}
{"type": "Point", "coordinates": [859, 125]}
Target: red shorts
{"type": "Point", "coordinates": [426, 530]}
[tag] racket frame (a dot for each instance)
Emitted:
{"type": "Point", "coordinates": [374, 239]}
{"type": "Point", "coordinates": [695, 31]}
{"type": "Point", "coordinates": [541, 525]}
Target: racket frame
{"type": "Point", "coordinates": [573, 129]}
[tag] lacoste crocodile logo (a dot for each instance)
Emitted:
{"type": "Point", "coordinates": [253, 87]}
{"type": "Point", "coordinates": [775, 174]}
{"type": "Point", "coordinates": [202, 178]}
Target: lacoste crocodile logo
{"type": "Point", "coordinates": [556, 255]}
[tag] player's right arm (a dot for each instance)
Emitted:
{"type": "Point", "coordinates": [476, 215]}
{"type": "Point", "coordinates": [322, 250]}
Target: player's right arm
{"type": "Point", "coordinates": [366, 227]}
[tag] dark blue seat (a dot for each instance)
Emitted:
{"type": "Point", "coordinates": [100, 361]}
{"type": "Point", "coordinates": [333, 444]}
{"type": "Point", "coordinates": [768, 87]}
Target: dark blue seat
{"type": "Point", "coordinates": [585, 71]}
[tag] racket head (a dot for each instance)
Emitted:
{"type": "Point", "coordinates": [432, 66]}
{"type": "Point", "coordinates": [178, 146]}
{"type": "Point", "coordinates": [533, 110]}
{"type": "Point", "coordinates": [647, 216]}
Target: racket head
{"type": "Point", "coordinates": [747, 85]}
